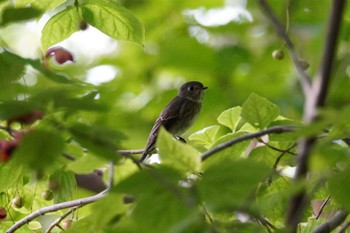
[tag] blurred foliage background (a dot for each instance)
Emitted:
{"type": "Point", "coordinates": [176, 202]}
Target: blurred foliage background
{"type": "Point", "coordinates": [227, 45]}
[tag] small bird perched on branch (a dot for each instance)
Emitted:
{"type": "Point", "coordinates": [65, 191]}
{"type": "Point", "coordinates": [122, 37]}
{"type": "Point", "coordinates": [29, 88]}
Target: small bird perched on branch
{"type": "Point", "coordinates": [178, 115]}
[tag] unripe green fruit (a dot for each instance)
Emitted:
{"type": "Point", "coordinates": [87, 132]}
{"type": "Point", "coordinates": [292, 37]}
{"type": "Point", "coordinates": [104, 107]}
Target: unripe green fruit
{"type": "Point", "coordinates": [47, 195]}
{"type": "Point", "coordinates": [18, 202]}
{"type": "Point", "coordinates": [278, 54]}
{"type": "Point", "coordinates": [304, 64]}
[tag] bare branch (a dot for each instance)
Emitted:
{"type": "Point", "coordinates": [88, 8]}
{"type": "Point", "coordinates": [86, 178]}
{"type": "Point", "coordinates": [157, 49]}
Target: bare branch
{"type": "Point", "coordinates": [130, 152]}
{"type": "Point", "coordinates": [303, 77]}
{"type": "Point", "coordinates": [332, 223]}
{"type": "Point", "coordinates": [272, 130]}
{"type": "Point", "coordinates": [322, 207]}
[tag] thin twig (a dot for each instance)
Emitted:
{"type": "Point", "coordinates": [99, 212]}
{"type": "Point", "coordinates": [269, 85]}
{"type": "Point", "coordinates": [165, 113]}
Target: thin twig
{"type": "Point", "coordinates": [272, 130]}
{"type": "Point", "coordinates": [303, 77]}
{"type": "Point", "coordinates": [130, 152]}
{"type": "Point", "coordinates": [332, 223]}
{"type": "Point", "coordinates": [277, 149]}
{"type": "Point", "coordinates": [322, 207]}
{"type": "Point", "coordinates": [57, 221]}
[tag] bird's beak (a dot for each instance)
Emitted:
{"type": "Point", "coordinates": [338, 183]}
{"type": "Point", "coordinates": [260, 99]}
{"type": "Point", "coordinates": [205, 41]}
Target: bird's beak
{"type": "Point", "coordinates": [204, 88]}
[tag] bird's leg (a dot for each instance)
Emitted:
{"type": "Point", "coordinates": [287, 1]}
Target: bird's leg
{"type": "Point", "coordinates": [180, 139]}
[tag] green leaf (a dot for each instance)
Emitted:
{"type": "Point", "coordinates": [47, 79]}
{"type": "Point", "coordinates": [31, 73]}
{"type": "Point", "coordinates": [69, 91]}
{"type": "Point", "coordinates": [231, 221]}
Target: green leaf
{"type": "Point", "coordinates": [13, 168]}
{"type": "Point", "coordinates": [160, 188]}
{"type": "Point", "coordinates": [339, 188]}
{"type": "Point", "coordinates": [12, 15]}
{"type": "Point", "coordinates": [66, 184]}
{"type": "Point", "coordinates": [39, 149]}
{"type": "Point", "coordinates": [11, 66]}
{"type": "Point", "coordinates": [206, 136]}
{"type": "Point", "coordinates": [259, 112]}
{"type": "Point", "coordinates": [230, 117]}
{"type": "Point", "coordinates": [176, 154]}
{"type": "Point", "coordinates": [60, 27]}
{"type": "Point", "coordinates": [228, 183]}
{"type": "Point", "coordinates": [114, 20]}
{"type": "Point", "coordinates": [100, 141]}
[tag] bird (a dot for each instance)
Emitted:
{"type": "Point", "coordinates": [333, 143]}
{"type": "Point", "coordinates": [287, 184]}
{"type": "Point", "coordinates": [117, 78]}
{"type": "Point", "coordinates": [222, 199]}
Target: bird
{"type": "Point", "coordinates": [179, 115]}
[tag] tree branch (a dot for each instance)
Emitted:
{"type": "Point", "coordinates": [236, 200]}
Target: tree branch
{"type": "Point", "coordinates": [314, 101]}
{"type": "Point", "coordinates": [332, 223]}
{"type": "Point", "coordinates": [303, 77]}
{"type": "Point", "coordinates": [64, 205]}
{"type": "Point", "coordinates": [272, 130]}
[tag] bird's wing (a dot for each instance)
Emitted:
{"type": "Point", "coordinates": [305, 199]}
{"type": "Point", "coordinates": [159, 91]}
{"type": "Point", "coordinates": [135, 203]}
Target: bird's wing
{"type": "Point", "coordinates": [166, 119]}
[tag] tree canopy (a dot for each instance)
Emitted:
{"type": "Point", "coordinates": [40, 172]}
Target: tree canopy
{"type": "Point", "coordinates": [82, 82]}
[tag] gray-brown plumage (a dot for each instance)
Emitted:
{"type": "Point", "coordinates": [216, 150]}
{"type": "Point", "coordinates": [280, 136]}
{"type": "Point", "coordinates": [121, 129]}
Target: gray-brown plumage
{"type": "Point", "coordinates": [178, 115]}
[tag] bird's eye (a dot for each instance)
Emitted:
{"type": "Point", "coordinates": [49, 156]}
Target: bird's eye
{"type": "Point", "coordinates": [190, 88]}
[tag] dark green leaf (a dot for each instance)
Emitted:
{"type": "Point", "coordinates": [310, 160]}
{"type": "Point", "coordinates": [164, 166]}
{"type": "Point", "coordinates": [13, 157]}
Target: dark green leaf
{"type": "Point", "coordinates": [39, 149]}
{"type": "Point", "coordinates": [160, 187]}
{"type": "Point", "coordinates": [225, 185]}
{"type": "Point", "coordinates": [102, 142]}
{"type": "Point", "coordinates": [11, 15]}
{"type": "Point", "coordinates": [11, 66]}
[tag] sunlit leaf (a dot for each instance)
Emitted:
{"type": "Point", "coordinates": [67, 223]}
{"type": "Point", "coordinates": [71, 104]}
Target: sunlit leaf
{"type": "Point", "coordinates": [60, 27]}
{"type": "Point", "coordinates": [259, 112]}
{"type": "Point", "coordinates": [176, 154]}
{"type": "Point", "coordinates": [113, 20]}
{"type": "Point", "coordinates": [206, 136]}
{"type": "Point", "coordinates": [11, 167]}
{"type": "Point", "coordinates": [230, 117]}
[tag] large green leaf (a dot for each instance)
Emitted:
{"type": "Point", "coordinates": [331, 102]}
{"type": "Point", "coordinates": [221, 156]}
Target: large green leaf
{"type": "Point", "coordinates": [60, 27]}
{"type": "Point", "coordinates": [11, 167]}
{"type": "Point", "coordinates": [339, 188]}
{"type": "Point", "coordinates": [179, 155]}
{"type": "Point", "coordinates": [259, 112]}
{"type": "Point", "coordinates": [230, 117]}
{"type": "Point", "coordinates": [39, 149]}
{"type": "Point", "coordinates": [102, 142]}
{"type": "Point", "coordinates": [113, 20]}
{"type": "Point", "coordinates": [65, 185]}
{"type": "Point", "coordinates": [206, 136]}
{"type": "Point", "coordinates": [154, 189]}
{"type": "Point", "coordinates": [225, 185]}
{"type": "Point", "coordinates": [12, 15]}
{"type": "Point", "coordinates": [11, 66]}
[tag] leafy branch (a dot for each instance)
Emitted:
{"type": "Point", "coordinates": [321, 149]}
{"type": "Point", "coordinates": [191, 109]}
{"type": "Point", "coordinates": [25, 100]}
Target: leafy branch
{"type": "Point", "coordinates": [78, 203]}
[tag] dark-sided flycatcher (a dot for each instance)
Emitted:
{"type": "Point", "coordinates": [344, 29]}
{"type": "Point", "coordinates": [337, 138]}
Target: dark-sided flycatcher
{"type": "Point", "coordinates": [178, 115]}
